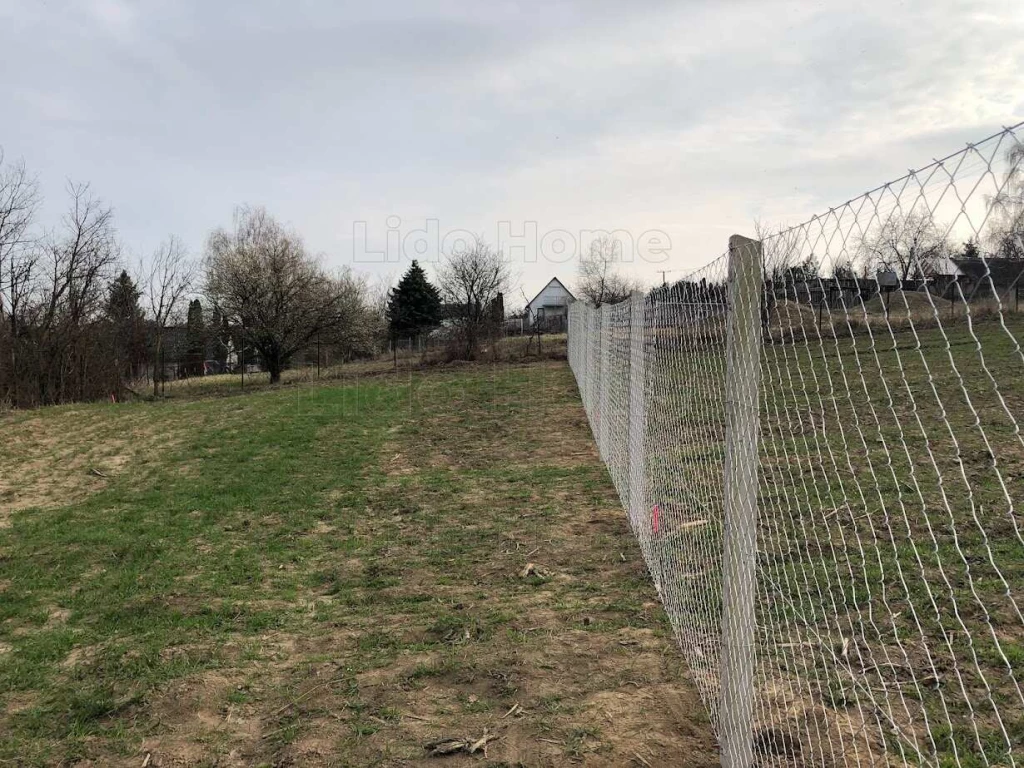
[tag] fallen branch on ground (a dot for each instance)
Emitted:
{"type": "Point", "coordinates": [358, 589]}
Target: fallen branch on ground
{"type": "Point", "coordinates": [443, 747]}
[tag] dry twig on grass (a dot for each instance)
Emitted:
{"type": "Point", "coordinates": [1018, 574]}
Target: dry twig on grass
{"type": "Point", "coordinates": [453, 746]}
{"type": "Point", "coordinates": [307, 694]}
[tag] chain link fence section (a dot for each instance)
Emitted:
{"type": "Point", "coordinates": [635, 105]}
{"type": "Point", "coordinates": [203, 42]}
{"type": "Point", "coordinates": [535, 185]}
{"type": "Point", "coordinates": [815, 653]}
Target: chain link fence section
{"type": "Point", "coordinates": [816, 438]}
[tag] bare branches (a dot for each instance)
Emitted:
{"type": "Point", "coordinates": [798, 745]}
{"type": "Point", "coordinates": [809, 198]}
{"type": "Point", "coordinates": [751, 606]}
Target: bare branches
{"type": "Point", "coordinates": [19, 200]}
{"type": "Point", "coordinates": [599, 280]}
{"type": "Point", "coordinates": [55, 289]}
{"type": "Point", "coordinates": [911, 245]}
{"type": "Point", "coordinates": [262, 277]}
{"type": "Point", "coordinates": [80, 258]}
{"type": "Point", "coordinates": [472, 283]}
{"type": "Point", "coordinates": [1005, 233]}
{"type": "Point", "coordinates": [473, 277]}
{"type": "Point", "coordinates": [167, 280]}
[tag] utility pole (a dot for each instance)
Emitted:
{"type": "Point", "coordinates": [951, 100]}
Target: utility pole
{"type": "Point", "coordinates": [663, 273]}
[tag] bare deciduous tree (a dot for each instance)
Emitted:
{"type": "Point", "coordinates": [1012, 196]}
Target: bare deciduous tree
{"type": "Point", "coordinates": [19, 198]}
{"type": "Point", "coordinates": [599, 280]}
{"type": "Point", "coordinates": [74, 268]}
{"type": "Point", "coordinates": [359, 325]}
{"type": "Point", "coordinates": [472, 283]}
{"type": "Point", "coordinates": [167, 280]}
{"type": "Point", "coordinates": [376, 298]}
{"type": "Point", "coordinates": [261, 276]}
{"type": "Point", "coordinates": [1005, 230]}
{"type": "Point", "coordinates": [911, 245]}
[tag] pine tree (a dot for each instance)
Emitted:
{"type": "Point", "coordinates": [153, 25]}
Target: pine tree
{"type": "Point", "coordinates": [414, 305]}
{"type": "Point", "coordinates": [123, 300]}
{"type": "Point", "coordinates": [195, 338]}
{"type": "Point", "coordinates": [126, 319]}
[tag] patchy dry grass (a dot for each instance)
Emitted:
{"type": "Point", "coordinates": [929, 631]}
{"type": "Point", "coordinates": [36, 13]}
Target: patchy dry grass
{"type": "Point", "coordinates": [330, 576]}
{"type": "Point", "coordinates": [45, 467]}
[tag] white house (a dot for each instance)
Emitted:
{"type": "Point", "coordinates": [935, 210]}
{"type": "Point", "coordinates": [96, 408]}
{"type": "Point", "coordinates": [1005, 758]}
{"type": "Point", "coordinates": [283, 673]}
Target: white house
{"type": "Point", "coordinates": [550, 307]}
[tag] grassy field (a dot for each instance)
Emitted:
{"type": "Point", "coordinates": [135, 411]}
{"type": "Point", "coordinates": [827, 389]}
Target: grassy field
{"type": "Point", "coordinates": [330, 575]}
{"type": "Point", "coordinates": [891, 554]}
{"type": "Point", "coordinates": [508, 350]}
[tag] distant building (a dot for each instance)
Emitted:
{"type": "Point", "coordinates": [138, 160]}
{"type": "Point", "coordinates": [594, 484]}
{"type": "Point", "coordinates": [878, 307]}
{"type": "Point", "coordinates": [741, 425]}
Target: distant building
{"type": "Point", "coordinates": [549, 309]}
{"type": "Point", "coordinates": [979, 278]}
{"type": "Point", "coordinates": [943, 273]}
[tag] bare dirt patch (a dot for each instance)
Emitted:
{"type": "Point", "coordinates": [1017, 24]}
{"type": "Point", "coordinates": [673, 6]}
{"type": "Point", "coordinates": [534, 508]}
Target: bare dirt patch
{"type": "Point", "coordinates": [198, 719]}
{"type": "Point", "coordinates": [63, 456]}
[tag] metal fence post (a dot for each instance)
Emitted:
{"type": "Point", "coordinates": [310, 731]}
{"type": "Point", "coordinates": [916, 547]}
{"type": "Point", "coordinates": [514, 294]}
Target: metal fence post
{"type": "Point", "coordinates": [739, 559]}
{"type": "Point", "coordinates": [606, 384]}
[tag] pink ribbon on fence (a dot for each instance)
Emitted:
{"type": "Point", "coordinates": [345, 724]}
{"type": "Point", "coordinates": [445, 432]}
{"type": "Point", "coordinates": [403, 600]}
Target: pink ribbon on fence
{"type": "Point", "coordinates": [654, 517]}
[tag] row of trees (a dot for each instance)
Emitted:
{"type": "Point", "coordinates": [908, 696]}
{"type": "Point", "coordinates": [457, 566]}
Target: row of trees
{"type": "Point", "coordinates": [911, 244]}
{"type": "Point", "coordinates": [77, 322]}
{"type": "Point", "coordinates": [472, 282]}
{"type": "Point", "coordinates": [60, 335]}
{"type": "Point", "coordinates": [914, 247]}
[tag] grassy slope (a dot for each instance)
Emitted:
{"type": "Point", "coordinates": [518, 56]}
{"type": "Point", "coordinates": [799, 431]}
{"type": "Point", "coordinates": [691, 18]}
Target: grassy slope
{"type": "Point", "coordinates": [329, 576]}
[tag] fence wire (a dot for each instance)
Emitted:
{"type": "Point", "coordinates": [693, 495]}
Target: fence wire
{"type": "Point", "coordinates": [884, 471]}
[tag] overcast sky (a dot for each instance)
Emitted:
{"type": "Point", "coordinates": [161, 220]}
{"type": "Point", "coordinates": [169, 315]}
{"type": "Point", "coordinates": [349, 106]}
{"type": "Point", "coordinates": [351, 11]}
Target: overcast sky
{"type": "Point", "coordinates": [688, 118]}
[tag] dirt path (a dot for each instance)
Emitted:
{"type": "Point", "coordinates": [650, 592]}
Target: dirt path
{"type": "Point", "coordinates": [578, 652]}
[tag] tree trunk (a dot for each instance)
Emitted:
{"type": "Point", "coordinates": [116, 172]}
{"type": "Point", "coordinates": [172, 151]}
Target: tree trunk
{"type": "Point", "coordinates": [157, 372]}
{"type": "Point", "coordinates": [274, 367]}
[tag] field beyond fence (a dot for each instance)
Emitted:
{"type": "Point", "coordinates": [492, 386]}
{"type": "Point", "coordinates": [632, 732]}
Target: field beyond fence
{"type": "Point", "coordinates": [825, 473]}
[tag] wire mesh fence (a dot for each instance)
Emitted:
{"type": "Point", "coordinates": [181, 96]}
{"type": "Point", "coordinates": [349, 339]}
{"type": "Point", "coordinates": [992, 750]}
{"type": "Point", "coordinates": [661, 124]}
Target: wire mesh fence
{"type": "Point", "coordinates": [817, 440]}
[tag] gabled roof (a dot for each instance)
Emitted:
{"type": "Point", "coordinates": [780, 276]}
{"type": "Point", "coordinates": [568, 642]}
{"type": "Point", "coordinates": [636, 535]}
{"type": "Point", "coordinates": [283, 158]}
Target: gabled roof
{"type": "Point", "coordinates": [1003, 272]}
{"type": "Point", "coordinates": [549, 282]}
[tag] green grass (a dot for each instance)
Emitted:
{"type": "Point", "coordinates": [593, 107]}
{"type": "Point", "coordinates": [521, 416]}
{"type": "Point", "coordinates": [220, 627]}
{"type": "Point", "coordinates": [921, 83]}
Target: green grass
{"type": "Point", "coordinates": [322, 575]}
{"type": "Point", "coordinates": [160, 569]}
{"type": "Point", "coordinates": [879, 501]}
